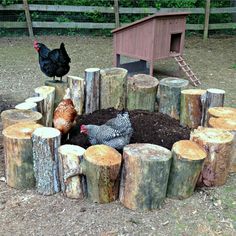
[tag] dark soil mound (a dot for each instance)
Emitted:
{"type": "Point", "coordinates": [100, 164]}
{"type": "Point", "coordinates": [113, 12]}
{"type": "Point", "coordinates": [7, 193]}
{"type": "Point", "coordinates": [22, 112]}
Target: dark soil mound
{"type": "Point", "coordinates": [149, 127]}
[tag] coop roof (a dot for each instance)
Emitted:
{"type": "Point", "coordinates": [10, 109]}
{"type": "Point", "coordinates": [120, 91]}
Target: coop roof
{"type": "Point", "coordinates": [149, 18]}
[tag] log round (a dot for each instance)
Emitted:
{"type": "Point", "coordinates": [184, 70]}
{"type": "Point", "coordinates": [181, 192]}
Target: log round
{"type": "Point", "coordinates": [230, 125]}
{"type": "Point", "coordinates": [191, 107]}
{"type": "Point", "coordinates": [32, 106]}
{"type": "Point", "coordinates": [48, 93]}
{"type": "Point", "coordinates": [169, 95]}
{"type": "Point", "coordinates": [142, 92]}
{"type": "Point", "coordinates": [19, 154]}
{"type": "Point", "coordinates": [13, 116]}
{"type": "Point", "coordinates": [218, 144]}
{"type": "Point", "coordinates": [144, 176]}
{"type": "Point", "coordinates": [113, 88]}
{"type": "Point", "coordinates": [101, 165]}
{"type": "Point", "coordinates": [185, 169]}
{"type": "Point", "coordinates": [46, 142]}
{"type": "Point", "coordinates": [39, 101]}
{"type": "Point", "coordinates": [69, 159]}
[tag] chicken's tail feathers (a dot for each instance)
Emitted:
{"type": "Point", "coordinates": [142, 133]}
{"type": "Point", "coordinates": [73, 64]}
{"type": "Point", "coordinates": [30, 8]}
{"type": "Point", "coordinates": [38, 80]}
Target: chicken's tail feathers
{"type": "Point", "coordinates": [65, 54]}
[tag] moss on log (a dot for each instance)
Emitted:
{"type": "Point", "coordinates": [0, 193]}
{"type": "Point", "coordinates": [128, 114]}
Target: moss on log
{"type": "Point", "coordinates": [19, 155]}
{"type": "Point", "coordinates": [185, 169]}
{"type": "Point", "coordinates": [144, 176]}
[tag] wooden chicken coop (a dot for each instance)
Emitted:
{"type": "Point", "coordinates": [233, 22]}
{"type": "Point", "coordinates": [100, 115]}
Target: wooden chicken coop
{"type": "Point", "coordinates": [152, 38]}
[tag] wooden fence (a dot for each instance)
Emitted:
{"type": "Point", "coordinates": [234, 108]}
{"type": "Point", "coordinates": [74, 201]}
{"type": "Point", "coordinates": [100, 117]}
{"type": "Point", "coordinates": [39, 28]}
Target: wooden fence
{"type": "Point", "coordinates": [116, 10]}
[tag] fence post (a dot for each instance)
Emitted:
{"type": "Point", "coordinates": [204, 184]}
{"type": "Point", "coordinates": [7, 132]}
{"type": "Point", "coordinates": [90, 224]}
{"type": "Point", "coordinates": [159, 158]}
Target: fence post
{"type": "Point", "coordinates": [207, 16]}
{"type": "Point", "coordinates": [28, 18]}
{"type": "Point", "coordinates": [116, 11]}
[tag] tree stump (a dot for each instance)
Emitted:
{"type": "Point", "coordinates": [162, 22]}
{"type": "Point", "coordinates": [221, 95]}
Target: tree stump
{"type": "Point", "coordinates": [46, 142]}
{"type": "Point", "coordinates": [185, 169]}
{"type": "Point", "coordinates": [39, 101]}
{"type": "Point", "coordinates": [142, 92]}
{"type": "Point", "coordinates": [113, 88]}
{"type": "Point", "coordinates": [76, 85]}
{"type": "Point", "coordinates": [212, 98]}
{"type": "Point", "coordinates": [191, 107]}
{"type": "Point", "coordinates": [169, 95]}
{"type": "Point", "coordinates": [218, 145]}
{"type": "Point", "coordinates": [13, 116]}
{"type": "Point", "coordinates": [32, 106]}
{"type": "Point", "coordinates": [48, 93]}
{"type": "Point", "coordinates": [92, 90]}
{"type": "Point", "coordinates": [144, 176]}
{"type": "Point", "coordinates": [19, 154]}
{"type": "Point", "coordinates": [69, 158]}
{"type": "Point", "coordinates": [60, 87]}
{"type": "Point", "coordinates": [228, 124]}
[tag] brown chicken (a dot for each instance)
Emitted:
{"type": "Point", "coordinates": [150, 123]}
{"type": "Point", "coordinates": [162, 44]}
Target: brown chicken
{"type": "Point", "coordinates": [65, 114]}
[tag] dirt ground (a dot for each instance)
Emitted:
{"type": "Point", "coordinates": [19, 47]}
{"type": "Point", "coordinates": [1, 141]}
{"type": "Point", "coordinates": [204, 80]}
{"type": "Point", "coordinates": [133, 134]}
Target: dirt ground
{"type": "Point", "coordinates": [210, 211]}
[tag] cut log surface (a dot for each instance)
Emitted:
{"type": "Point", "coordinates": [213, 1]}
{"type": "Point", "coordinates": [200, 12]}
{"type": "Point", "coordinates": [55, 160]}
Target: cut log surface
{"type": "Point", "coordinates": [19, 154]}
{"type": "Point", "coordinates": [141, 92]}
{"type": "Point", "coordinates": [144, 176]}
{"type": "Point", "coordinates": [76, 85]}
{"type": "Point", "coordinates": [218, 145]}
{"type": "Point", "coordinates": [113, 88]}
{"type": "Point", "coordinates": [101, 165]}
{"type": "Point", "coordinates": [221, 112]}
{"type": "Point", "coordinates": [60, 87]}
{"type": "Point", "coordinates": [92, 90]}
{"type": "Point", "coordinates": [32, 106]}
{"type": "Point", "coordinates": [39, 101]}
{"type": "Point", "coordinates": [230, 125]}
{"type": "Point", "coordinates": [69, 159]}
{"type": "Point", "coordinates": [46, 142]}
{"type": "Point", "coordinates": [169, 95]}
{"type": "Point", "coordinates": [48, 93]}
{"type": "Point", "coordinates": [191, 107]}
{"type": "Point", "coordinates": [185, 169]}
{"type": "Point", "coordinates": [13, 116]}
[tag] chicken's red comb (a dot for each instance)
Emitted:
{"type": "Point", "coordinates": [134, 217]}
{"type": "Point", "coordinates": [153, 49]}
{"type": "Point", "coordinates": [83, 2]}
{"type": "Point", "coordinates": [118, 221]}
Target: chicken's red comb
{"type": "Point", "coordinates": [82, 128]}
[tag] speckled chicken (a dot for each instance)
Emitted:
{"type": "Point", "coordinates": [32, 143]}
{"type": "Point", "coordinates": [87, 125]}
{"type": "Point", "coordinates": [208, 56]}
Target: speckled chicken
{"type": "Point", "coordinates": [115, 132]}
{"type": "Point", "coordinates": [65, 114]}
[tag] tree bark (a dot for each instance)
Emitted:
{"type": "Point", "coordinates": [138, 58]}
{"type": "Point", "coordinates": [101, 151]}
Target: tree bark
{"type": "Point", "coordinates": [39, 101]}
{"type": "Point", "coordinates": [113, 88]}
{"type": "Point", "coordinates": [144, 176]}
{"type": "Point", "coordinates": [48, 93]}
{"type": "Point", "coordinates": [228, 124]}
{"type": "Point", "coordinates": [212, 98]}
{"type": "Point", "coordinates": [218, 145]}
{"type": "Point", "coordinates": [169, 96]}
{"type": "Point", "coordinates": [46, 142]}
{"type": "Point", "coordinates": [76, 85]}
{"type": "Point", "coordinates": [191, 107]}
{"type": "Point", "coordinates": [185, 169]}
{"type": "Point", "coordinates": [31, 106]}
{"type": "Point", "coordinates": [69, 158]}
{"type": "Point", "coordinates": [142, 92]}
{"type": "Point", "coordinates": [13, 116]}
{"type": "Point", "coordinates": [19, 155]}
{"type": "Point", "coordinates": [92, 90]}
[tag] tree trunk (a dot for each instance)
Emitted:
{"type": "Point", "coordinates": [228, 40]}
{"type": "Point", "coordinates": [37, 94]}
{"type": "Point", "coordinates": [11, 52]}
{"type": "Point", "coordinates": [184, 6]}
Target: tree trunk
{"type": "Point", "coordinates": [69, 158]}
{"type": "Point", "coordinates": [191, 107]}
{"type": "Point", "coordinates": [144, 176]}
{"type": "Point", "coordinates": [218, 145]}
{"type": "Point", "coordinates": [212, 98]}
{"type": "Point", "coordinates": [39, 101]}
{"type": "Point", "coordinates": [31, 106]}
{"type": "Point", "coordinates": [76, 85]}
{"type": "Point", "coordinates": [142, 92]}
{"type": "Point", "coordinates": [185, 169]}
{"type": "Point", "coordinates": [48, 93]}
{"type": "Point", "coordinates": [60, 88]}
{"type": "Point", "coordinates": [92, 90]}
{"type": "Point", "coordinates": [46, 142]}
{"type": "Point", "coordinates": [19, 155]}
{"type": "Point", "coordinates": [13, 116]}
{"type": "Point", "coordinates": [169, 96]}
{"type": "Point", "coordinates": [228, 124]}
{"type": "Point", "coordinates": [113, 88]}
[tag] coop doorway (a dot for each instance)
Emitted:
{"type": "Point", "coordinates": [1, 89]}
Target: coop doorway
{"type": "Point", "coordinates": [175, 43]}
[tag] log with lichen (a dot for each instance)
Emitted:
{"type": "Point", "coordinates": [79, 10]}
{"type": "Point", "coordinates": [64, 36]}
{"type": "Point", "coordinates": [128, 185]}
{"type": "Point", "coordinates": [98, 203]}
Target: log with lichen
{"type": "Point", "coordinates": [19, 154]}
{"type": "Point", "coordinates": [144, 176]}
{"type": "Point", "coordinates": [185, 169]}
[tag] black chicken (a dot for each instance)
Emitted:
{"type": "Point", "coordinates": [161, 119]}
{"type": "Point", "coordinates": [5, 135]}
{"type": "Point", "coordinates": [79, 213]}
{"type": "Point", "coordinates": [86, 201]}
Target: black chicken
{"type": "Point", "coordinates": [53, 62]}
